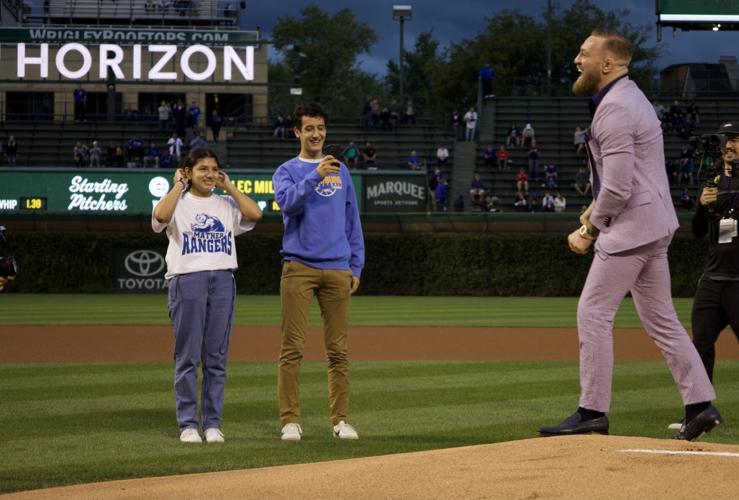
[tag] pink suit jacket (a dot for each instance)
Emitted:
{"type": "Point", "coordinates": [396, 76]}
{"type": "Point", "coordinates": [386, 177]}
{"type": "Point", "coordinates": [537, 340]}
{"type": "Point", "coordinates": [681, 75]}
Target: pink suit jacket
{"type": "Point", "coordinates": [633, 205]}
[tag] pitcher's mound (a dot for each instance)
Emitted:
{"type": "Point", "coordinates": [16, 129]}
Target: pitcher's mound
{"type": "Point", "coordinates": [559, 467]}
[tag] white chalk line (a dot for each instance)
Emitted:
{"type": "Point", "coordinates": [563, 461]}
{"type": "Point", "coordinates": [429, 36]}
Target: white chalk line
{"type": "Point", "coordinates": [679, 452]}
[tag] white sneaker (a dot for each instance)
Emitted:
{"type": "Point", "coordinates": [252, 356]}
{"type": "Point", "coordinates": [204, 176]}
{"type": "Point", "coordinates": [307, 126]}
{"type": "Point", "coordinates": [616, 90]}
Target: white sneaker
{"type": "Point", "coordinates": [214, 435]}
{"type": "Point", "coordinates": [190, 435]}
{"type": "Point", "coordinates": [291, 432]}
{"type": "Point", "coordinates": [342, 430]}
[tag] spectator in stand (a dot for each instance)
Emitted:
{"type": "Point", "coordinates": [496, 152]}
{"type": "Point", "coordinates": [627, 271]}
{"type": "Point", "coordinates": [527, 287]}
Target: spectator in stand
{"type": "Point", "coordinates": [78, 153]}
{"type": "Point", "coordinates": [370, 156]}
{"type": "Point", "coordinates": [167, 160]}
{"type": "Point", "coordinates": [174, 145]}
{"type": "Point", "coordinates": [687, 128]}
{"type": "Point", "coordinates": [433, 181]}
{"type": "Point", "coordinates": [533, 200]}
{"type": "Point", "coordinates": [487, 73]}
{"type": "Point", "coordinates": [533, 161]}
{"type": "Point", "coordinates": [547, 203]}
{"type": "Point", "coordinates": [502, 156]}
{"type": "Point", "coordinates": [676, 117]}
{"type": "Point", "coordinates": [394, 113]}
{"type": "Point", "coordinates": [109, 155]}
{"type": "Point", "coordinates": [489, 156]}
{"type": "Point", "coordinates": [441, 194]}
{"type": "Point", "coordinates": [522, 181]}
{"type": "Point", "coordinates": [80, 103]}
{"type": "Point", "coordinates": [197, 141]}
{"type": "Point", "coordinates": [514, 137]}
{"type": "Point", "coordinates": [579, 140]}
{"type": "Point", "coordinates": [351, 155]}
{"type": "Point", "coordinates": [164, 112]}
{"type": "Point", "coordinates": [582, 182]}
{"type": "Point", "coordinates": [528, 135]}
{"type": "Point", "coordinates": [551, 176]}
{"type": "Point", "coordinates": [455, 120]}
{"type": "Point", "coordinates": [477, 193]}
{"type": "Point", "coordinates": [560, 203]}
{"type": "Point", "coordinates": [279, 127]}
{"type": "Point", "coordinates": [135, 149]}
{"type": "Point", "coordinates": [367, 113]}
{"type": "Point", "coordinates": [410, 114]}
{"type": "Point", "coordinates": [385, 123]}
{"type": "Point", "coordinates": [375, 112]}
{"type": "Point", "coordinates": [180, 118]}
{"type": "Point", "coordinates": [216, 122]}
{"type": "Point", "coordinates": [442, 155]}
{"type": "Point", "coordinates": [149, 7]}
{"type": "Point", "coordinates": [119, 157]}
{"type": "Point", "coordinates": [521, 204]}
{"type": "Point", "coordinates": [470, 119]}
{"type": "Point", "coordinates": [493, 203]}
{"type": "Point", "coordinates": [686, 201]}
{"type": "Point", "coordinates": [193, 117]}
{"type": "Point", "coordinates": [95, 152]}
{"type": "Point", "coordinates": [164, 5]}
{"type": "Point", "coordinates": [413, 162]}
{"type": "Point", "coordinates": [694, 113]}
{"type": "Point", "coordinates": [660, 111]}
{"type": "Point", "coordinates": [11, 150]}
{"type": "Point", "coordinates": [686, 164]}
{"type": "Point", "coordinates": [151, 156]}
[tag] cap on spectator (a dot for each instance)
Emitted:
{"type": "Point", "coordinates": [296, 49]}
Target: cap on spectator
{"type": "Point", "coordinates": [730, 128]}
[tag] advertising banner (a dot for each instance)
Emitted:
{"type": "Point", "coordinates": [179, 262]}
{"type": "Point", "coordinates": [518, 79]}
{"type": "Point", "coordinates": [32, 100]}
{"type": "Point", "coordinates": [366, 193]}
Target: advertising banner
{"type": "Point", "coordinates": [139, 270]}
{"type": "Point", "coordinates": [107, 192]}
{"type": "Point", "coordinates": [401, 192]}
{"type": "Point", "coordinates": [127, 36]}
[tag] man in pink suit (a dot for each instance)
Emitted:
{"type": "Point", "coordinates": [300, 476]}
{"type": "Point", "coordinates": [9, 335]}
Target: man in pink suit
{"type": "Point", "coordinates": [630, 224]}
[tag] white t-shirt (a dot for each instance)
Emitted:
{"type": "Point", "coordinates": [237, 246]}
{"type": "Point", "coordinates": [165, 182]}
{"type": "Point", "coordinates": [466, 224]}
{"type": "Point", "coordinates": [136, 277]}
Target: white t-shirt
{"type": "Point", "coordinates": [471, 118]}
{"type": "Point", "coordinates": [201, 234]}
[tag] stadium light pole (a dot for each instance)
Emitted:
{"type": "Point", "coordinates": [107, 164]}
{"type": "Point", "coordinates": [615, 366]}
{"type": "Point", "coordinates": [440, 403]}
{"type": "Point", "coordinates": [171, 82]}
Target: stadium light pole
{"type": "Point", "coordinates": [401, 13]}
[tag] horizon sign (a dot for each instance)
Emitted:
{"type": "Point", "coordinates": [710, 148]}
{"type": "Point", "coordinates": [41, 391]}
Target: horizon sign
{"type": "Point", "coordinates": [111, 56]}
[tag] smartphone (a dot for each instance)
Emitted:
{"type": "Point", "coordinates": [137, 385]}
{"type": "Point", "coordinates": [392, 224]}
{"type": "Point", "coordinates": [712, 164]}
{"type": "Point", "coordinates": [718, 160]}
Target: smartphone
{"type": "Point", "coordinates": [336, 151]}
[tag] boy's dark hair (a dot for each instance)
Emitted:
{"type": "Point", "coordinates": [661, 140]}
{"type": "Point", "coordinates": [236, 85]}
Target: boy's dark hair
{"type": "Point", "coordinates": [312, 109]}
{"type": "Point", "coordinates": [197, 154]}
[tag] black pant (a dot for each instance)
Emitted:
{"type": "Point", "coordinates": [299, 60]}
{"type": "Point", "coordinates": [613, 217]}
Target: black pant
{"type": "Point", "coordinates": [715, 306]}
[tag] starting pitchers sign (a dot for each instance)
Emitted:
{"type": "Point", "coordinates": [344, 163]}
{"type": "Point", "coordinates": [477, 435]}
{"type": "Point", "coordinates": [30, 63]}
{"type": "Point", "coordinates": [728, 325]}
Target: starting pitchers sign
{"type": "Point", "coordinates": [139, 270]}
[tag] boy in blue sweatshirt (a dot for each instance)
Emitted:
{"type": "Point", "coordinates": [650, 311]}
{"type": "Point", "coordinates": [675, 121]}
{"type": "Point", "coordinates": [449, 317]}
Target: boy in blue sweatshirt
{"type": "Point", "coordinates": [323, 256]}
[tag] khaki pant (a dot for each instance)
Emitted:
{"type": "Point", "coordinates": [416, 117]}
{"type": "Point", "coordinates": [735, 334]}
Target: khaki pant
{"type": "Point", "coordinates": [298, 285]}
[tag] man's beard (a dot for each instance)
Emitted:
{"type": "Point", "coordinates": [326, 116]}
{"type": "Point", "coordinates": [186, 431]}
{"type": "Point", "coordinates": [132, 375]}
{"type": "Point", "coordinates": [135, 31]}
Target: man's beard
{"type": "Point", "coordinates": [586, 83]}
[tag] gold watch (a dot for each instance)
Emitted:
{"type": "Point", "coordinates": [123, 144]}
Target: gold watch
{"type": "Point", "coordinates": [585, 234]}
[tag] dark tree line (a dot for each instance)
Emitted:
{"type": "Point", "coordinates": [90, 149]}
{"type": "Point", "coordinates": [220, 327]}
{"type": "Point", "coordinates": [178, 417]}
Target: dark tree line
{"type": "Point", "coordinates": [319, 53]}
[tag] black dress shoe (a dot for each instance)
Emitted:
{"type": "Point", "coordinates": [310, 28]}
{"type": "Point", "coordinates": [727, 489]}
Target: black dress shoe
{"type": "Point", "coordinates": [706, 421]}
{"type": "Point", "coordinates": [574, 424]}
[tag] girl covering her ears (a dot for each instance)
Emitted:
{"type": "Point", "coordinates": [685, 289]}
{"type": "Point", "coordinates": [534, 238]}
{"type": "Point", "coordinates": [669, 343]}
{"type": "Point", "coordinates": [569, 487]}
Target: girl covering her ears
{"type": "Point", "coordinates": [201, 258]}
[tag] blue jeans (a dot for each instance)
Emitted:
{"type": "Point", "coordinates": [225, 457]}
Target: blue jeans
{"type": "Point", "coordinates": [201, 307]}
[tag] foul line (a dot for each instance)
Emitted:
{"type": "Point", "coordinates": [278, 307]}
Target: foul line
{"type": "Point", "coordinates": [673, 452]}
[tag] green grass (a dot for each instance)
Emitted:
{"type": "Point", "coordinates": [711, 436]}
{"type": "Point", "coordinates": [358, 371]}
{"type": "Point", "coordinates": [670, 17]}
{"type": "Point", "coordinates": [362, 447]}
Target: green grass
{"type": "Point", "coordinates": [365, 310]}
{"type": "Point", "coordinates": [66, 424]}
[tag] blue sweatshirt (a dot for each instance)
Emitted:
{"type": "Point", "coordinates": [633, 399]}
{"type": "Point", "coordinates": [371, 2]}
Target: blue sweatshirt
{"type": "Point", "coordinates": [321, 217]}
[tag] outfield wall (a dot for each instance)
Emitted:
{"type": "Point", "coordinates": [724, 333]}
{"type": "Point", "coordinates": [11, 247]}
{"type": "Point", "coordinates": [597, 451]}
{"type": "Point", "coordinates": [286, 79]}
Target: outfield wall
{"type": "Point", "coordinates": [503, 264]}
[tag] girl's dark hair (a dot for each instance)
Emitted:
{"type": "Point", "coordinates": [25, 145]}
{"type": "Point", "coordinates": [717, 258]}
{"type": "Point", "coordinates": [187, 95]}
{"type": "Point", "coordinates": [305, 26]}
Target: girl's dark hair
{"type": "Point", "coordinates": [197, 154]}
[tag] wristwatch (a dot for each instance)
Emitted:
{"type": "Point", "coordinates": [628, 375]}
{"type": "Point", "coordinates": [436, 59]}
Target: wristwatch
{"type": "Point", "coordinates": [583, 231]}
